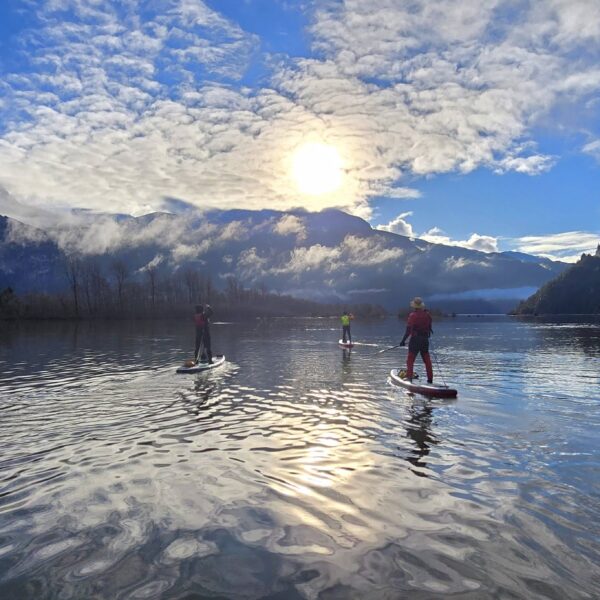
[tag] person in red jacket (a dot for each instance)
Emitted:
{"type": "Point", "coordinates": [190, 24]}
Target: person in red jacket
{"type": "Point", "coordinates": [202, 321]}
{"type": "Point", "coordinates": [418, 328]}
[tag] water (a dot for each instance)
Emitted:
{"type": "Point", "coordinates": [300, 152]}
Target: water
{"type": "Point", "coordinates": [297, 470]}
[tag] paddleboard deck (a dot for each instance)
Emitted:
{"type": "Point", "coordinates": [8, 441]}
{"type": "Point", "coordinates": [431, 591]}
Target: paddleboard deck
{"type": "Point", "coordinates": [203, 365]}
{"type": "Point", "coordinates": [426, 389]}
{"type": "Point", "coordinates": [345, 344]}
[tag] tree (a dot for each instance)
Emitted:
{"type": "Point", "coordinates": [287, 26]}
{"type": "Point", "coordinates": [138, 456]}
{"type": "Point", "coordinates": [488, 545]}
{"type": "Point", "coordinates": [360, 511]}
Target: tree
{"type": "Point", "coordinates": [73, 270]}
{"type": "Point", "coordinates": [10, 307]}
{"type": "Point", "coordinates": [120, 272]}
{"type": "Point", "coordinates": [192, 282]}
{"type": "Point", "coordinates": [152, 273]}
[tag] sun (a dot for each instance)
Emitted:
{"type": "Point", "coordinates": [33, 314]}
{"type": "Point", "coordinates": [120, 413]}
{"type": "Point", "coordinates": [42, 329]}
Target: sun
{"type": "Point", "coordinates": [317, 168]}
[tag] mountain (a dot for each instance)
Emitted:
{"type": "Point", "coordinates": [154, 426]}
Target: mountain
{"type": "Point", "coordinates": [29, 258]}
{"type": "Point", "coordinates": [328, 256]}
{"type": "Point", "coordinates": [575, 291]}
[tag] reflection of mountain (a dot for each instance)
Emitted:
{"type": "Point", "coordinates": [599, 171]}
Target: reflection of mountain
{"type": "Point", "coordinates": [575, 291]}
{"type": "Point", "coordinates": [327, 256]}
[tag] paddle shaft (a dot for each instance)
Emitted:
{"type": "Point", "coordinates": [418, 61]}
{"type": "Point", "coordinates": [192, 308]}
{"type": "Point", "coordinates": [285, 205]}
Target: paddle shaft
{"type": "Point", "coordinates": [391, 348]}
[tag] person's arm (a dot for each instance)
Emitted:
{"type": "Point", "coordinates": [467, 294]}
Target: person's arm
{"type": "Point", "coordinates": [406, 334]}
{"type": "Point", "coordinates": [408, 331]}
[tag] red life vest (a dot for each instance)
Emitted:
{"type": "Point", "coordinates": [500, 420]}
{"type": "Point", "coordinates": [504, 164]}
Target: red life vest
{"type": "Point", "coordinates": [200, 319]}
{"type": "Point", "coordinates": [419, 323]}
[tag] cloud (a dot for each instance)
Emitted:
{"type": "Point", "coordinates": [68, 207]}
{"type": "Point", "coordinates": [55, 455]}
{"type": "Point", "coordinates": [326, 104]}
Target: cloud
{"type": "Point", "coordinates": [120, 105]}
{"type": "Point", "coordinates": [567, 246]}
{"type": "Point", "coordinates": [452, 263]}
{"type": "Point", "coordinates": [483, 243]}
{"type": "Point", "coordinates": [593, 149]}
{"type": "Point", "coordinates": [354, 251]}
{"type": "Point", "coordinates": [399, 225]}
{"type": "Point", "coordinates": [290, 225]}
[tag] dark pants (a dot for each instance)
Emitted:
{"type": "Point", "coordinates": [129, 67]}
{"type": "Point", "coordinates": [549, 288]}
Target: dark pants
{"type": "Point", "coordinates": [203, 339]}
{"type": "Point", "coordinates": [418, 344]}
{"type": "Point", "coordinates": [346, 332]}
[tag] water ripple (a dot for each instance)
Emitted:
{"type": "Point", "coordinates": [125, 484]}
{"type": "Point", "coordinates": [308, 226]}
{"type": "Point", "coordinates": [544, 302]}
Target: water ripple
{"type": "Point", "coordinates": [297, 470]}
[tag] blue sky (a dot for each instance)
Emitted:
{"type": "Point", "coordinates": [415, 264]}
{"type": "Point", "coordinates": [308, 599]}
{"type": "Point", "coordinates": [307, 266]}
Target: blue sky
{"type": "Point", "coordinates": [475, 124]}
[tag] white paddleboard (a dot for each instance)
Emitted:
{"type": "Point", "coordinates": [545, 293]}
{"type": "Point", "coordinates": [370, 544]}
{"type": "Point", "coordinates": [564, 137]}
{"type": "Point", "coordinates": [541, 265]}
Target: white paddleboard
{"type": "Point", "coordinates": [345, 344]}
{"type": "Point", "coordinates": [426, 389]}
{"type": "Point", "coordinates": [201, 366]}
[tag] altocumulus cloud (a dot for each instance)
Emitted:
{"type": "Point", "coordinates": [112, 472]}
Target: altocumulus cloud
{"type": "Point", "coordinates": [121, 104]}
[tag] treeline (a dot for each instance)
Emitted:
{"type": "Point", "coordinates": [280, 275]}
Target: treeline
{"type": "Point", "coordinates": [576, 291]}
{"type": "Point", "coordinates": [115, 292]}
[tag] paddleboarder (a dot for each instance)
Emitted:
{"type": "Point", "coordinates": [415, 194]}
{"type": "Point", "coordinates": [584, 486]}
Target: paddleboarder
{"type": "Point", "coordinates": [202, 321]}
{"type": "Point", "coordinates": [418, 328]}
{"type": "Point", "coordinates": [346, 318]}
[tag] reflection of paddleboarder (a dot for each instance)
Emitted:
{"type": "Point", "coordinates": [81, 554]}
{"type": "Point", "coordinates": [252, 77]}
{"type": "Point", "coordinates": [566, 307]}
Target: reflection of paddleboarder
{"type": "Point", "coordinates": [346, 318]}
{"type": "Point", "coordinates": [419, 329]}
{"type": "Point", "coordinates": [202, 321]}
{"type": "Point", "coordinates": [419, 430]}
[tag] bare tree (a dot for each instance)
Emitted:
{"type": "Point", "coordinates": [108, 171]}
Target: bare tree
{"type": "Point", "coordinates": [73, 270]}
{"type": "Point", "coordinates": [120, 271]}
{"type": "Point", "coordinates": [152, 273]}
{"type": "Point", "coordinates": [192, 282]}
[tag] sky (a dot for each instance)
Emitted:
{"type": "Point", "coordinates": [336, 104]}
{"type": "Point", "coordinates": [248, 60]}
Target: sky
{"type": "Point", "coordinates": [466, 122]}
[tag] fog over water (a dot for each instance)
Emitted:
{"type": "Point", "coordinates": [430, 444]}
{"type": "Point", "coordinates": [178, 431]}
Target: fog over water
{"type": "Point", "coordinates": [297, 470]}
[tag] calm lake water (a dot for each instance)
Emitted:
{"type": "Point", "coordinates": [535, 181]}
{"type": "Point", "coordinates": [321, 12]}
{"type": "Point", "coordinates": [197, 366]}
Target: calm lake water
{"type": "Point", "coordinates": [297, 470]}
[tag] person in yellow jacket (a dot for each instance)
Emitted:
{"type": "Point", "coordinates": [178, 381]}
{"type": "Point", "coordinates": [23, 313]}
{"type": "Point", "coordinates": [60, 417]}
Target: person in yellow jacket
{"type": "Point", "coordinates": [346, 318]}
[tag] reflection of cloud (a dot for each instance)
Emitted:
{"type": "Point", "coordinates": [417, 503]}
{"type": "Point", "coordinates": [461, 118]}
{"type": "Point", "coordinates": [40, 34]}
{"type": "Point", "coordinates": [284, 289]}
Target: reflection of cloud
{"type": "Point", "coordinates": [125, 106]}
{"type": "Point", "coordinates": [368, 291]}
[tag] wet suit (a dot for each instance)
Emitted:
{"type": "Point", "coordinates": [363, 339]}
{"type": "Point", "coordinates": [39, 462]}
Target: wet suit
{"type": "Point", "coordinates": [346, 328]}
{"type": "Point", "coordinates": [201, 320]}
{"type": "Point", "coordinates": [419, 329]}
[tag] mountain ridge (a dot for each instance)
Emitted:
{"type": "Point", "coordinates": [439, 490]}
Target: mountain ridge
{"type": "Point", "coordinates": [326, 256]}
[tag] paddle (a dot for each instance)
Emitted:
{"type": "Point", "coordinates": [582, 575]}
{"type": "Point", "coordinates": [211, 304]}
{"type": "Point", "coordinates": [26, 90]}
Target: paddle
{"type": "Point", "coordinates": [391, 348]}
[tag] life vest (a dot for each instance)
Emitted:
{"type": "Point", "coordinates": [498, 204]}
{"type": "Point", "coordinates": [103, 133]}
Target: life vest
{"type": "Point", "coordinates": [200, 319]}
{"type": "Point", "coordinates": [419, 323]}
{"type": "Point", "coordinates": [345, 320]}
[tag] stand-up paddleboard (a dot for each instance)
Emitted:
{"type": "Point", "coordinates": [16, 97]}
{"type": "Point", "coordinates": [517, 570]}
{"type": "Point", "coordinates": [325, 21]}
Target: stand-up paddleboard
{"type": "Point", "coordinates": [426, 389]}
{"type": "Point", "coordinates": [345, 344]}
{"type": "Point", "coordinates": [201, 366]}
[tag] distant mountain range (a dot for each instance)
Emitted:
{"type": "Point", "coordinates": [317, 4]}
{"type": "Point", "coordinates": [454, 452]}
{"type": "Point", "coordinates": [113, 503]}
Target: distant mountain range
{"type": "Point", "coordinates": [328, 256]}
{"type": "Point", "coordinates": [575, 291]}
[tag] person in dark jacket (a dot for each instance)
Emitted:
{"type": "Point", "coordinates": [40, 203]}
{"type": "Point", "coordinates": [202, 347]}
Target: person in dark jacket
{"type": "Point", "coordinates": [418, 328]}
{"type": "Point", "coordinates": [202, 321]}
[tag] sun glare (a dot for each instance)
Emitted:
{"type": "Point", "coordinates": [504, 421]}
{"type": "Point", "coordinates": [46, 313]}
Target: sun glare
{"type": "Point", "coordinates": [317, 168]}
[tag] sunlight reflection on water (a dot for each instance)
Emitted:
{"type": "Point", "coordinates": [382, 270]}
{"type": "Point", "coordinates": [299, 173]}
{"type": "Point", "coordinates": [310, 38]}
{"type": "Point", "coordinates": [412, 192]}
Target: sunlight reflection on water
{"type": "Point", "coordinates": [296, 470]}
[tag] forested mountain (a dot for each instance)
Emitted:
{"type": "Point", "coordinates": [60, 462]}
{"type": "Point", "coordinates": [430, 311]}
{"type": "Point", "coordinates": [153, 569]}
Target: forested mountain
{"type": "Point", "coordinates": [575, 291]}
{"type": "Point", "coordinates": [328, 256]}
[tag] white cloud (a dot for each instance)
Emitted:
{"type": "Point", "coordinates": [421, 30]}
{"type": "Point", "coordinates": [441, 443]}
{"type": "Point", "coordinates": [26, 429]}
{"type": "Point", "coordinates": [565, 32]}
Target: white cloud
{"type": "Point", "coordinates": [290, 225]}
{"type": "Point", "coordinates": [399, 225]}
{"type": "Point", "coordinates": [567, 246]}
{"type": "Point", "coordinates": [124, 107]}
{"type": "Point", "coordinates": [452, 263]}
{"type": "Point", "coordinates": [483, 243]}
{"type": "Point", "coordinates": [313, 257]}
{"type": "Point", "coordinates": [593, 148]}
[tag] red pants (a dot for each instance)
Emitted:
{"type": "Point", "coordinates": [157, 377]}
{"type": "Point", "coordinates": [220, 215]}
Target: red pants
{"type": "Point", "coordinates": [410, 362]}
